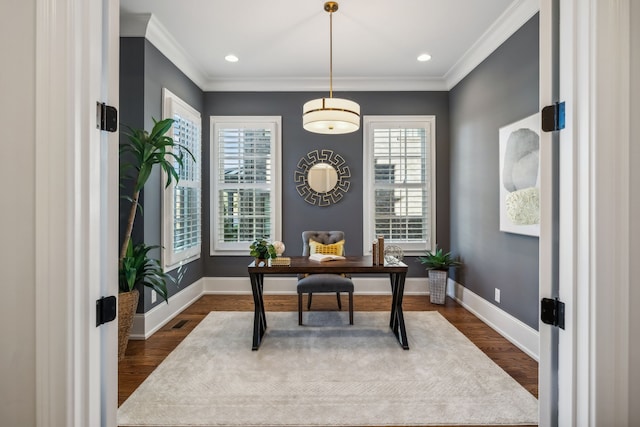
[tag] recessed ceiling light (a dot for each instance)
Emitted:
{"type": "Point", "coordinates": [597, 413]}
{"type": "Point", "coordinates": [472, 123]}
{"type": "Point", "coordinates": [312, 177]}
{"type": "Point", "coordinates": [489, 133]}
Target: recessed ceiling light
{"type": "Point", "coordinates": [231, 58]}
{"type": "Point", "coordinates": [424, 57]}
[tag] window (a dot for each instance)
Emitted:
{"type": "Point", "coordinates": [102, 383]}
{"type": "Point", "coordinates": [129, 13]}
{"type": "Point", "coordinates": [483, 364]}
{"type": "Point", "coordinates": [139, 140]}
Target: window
{"type": "Point", "coordinates": [399, 181]}
{"type": "Point", "coordinates": [245, 182]}
{"type": "Point", "coordinates": [182, 224]}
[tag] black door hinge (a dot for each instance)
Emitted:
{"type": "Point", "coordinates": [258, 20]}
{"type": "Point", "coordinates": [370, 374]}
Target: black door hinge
{"type": "Point", "coordinates": [553, 117]}
{"type": "Point", "coordinates": [105, 310]}
{"type": "Point", "coordinates": [552, 312]}
{"type": "Point", "coordinates": [107, 117]}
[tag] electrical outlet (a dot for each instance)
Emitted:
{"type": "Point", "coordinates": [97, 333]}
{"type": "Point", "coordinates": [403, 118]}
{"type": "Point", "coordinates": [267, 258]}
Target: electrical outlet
{"type": "Point", "coordinates": [154, 296]}
{"type": "Point", "coordinates": [497, 296]}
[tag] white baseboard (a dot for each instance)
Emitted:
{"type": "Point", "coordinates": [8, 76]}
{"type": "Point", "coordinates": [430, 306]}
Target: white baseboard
{"type": "Point", "coordinates": [145, 324]}
{"type": "Point", "coordinates": [287, 285]}
{"type": "Point", "coordinates": [518, 333]}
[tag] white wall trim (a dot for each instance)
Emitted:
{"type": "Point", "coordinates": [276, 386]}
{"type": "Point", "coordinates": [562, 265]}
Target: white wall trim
{"type": "Point", "coordinates": [320, 84]}
{"type": "Point", "coordinates": [518, 333]}
{"type": "Point", "coordinates": [146, 25]}
{"type": "Point", "coordinates": [505, 26]}
{"type": "Point", "coordinates": [134, 25]}
{"type": "Point", "coordinates": [109, 85]}
{"type": "Point", "coordinates": [634, 212]}
{"type": "Point", "coordinates": [277, 285]}
{"type": "Point", "coordinates": [609, 143]}
{"type": "Point", "coordinates": [146, 324]}
{"type": "Point", "coordinates": [548, 372]}
{"type": "Point", "coordinates": [55, 247]}
{"type": "Point", "coordinates": [70, 164]}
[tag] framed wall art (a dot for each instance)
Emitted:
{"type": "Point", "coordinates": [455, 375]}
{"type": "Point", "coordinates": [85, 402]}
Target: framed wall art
{"type": "Point", "coordinates": [520, 176]}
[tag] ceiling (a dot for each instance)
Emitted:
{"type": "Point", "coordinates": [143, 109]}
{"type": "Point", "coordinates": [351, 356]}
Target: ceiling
{"type": "Point", "coordinates": [284, 44]}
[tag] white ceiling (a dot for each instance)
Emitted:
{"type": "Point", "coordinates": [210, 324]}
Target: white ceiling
{"type": "Point", "coordinates": [284, 44]}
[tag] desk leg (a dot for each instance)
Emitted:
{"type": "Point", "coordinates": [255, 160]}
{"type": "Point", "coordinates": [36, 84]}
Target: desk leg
{"type": "Point", "coordinates": [259, 318]}
{"type": "Point", "coordinates": [393, 324]}
{"type": "Point", "coordinates": [396, 322]}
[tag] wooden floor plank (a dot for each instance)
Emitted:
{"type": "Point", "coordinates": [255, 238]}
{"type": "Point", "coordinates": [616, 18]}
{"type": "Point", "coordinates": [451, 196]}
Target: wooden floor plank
{"type": "Point", "coordinates": [142, 357]}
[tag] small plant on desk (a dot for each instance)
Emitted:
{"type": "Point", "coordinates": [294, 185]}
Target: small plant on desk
{"type": "Point", "coordinates": [262, 250]}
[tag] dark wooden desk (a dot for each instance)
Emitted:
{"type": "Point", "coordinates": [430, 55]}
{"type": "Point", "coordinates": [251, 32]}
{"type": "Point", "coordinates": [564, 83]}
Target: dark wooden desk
{"type": "Point", "coordinates": [351, 265]}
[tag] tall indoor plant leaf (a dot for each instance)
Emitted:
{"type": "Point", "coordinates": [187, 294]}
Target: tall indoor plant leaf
{"type": "Point", "coordinates": [139, 269]}
{"type": "Point", "coordinates": [139, 154]}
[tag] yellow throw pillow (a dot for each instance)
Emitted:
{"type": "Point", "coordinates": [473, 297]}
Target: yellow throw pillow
{"type": "Point", "coordinates": [332, 249]}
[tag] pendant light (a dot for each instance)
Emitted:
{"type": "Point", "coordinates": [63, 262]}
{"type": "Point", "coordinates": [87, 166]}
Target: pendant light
{"type": "Point", "coordinates": [331, 115]}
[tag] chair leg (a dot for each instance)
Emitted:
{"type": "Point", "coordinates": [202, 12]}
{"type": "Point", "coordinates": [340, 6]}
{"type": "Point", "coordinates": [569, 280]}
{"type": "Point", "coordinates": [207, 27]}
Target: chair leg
{"type": "Point", "coordinates": [351, 308]}
{"type": "Point", "coordinates": [309, 301]}
{"type": "Point", "coordinates": [299, 309]}
{"type": "Point", "coordinates": [339, 302]}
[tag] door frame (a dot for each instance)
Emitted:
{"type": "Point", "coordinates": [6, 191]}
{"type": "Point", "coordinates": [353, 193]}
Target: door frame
{"type": "Point", "coordinates": [598, 35]}
{"type": "Point", "coordinates": [594, 213]}
{"type": "Point", "coordinates": [76, 212]}
{"type": "Point", "coordinates": [548, 246]}
{"type": "Point", "coordinates": [594, 221]}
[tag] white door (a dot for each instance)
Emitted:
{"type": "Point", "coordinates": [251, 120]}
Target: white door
{"type": "Point", "coordinates": [591, 387]}
{"type": "Point", "coordinates": [109, 82]}
{"type": "Point", "coordinates": [548, 257]}
{"type": "Point", "coordinates": [76, 212]}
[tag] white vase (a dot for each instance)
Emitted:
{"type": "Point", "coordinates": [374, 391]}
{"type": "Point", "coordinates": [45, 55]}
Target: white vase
{"type": "Point", "coordinates": [438, 286]}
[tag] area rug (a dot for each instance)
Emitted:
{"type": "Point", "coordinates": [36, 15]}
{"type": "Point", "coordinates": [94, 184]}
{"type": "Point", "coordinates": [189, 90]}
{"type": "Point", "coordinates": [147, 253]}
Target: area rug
{"type": "Point", "coordinates": [327, 373]}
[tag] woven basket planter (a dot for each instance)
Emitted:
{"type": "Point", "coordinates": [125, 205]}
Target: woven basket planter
{"type": "Point", "coordinates": [437, 286]}
{"type": "Point", "coordinates": [127, 305]}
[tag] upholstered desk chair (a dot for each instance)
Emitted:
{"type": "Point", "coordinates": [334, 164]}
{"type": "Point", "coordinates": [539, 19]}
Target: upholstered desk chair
{"type": "Point", "coordinates": [323, 283]}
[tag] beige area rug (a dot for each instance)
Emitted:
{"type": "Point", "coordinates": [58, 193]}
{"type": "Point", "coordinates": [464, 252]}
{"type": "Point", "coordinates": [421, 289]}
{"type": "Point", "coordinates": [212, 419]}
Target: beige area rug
{"type": "Point", "coordinates": [327, 373]}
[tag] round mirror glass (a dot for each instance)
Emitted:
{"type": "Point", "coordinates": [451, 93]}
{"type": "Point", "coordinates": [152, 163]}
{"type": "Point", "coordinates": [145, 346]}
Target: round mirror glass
{"type": "Point", "coordinates": [322, 177]}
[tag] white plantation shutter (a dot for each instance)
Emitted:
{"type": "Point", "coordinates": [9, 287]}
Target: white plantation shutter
{"type": "Point", "coordinates": [399, 181]}
{"type": "Point", "coordinates": [245, 182]}
{"type": "Point", "coordinates": [182, 231]}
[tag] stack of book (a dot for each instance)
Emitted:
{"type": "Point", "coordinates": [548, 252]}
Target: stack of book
{"type": "Point", "coordinates": [378, 251]}
{"type": "Point", "coordinates": [281, 261]}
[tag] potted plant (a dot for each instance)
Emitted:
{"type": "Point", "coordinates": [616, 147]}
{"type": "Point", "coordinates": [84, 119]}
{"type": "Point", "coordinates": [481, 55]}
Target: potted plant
{"type": "Point", "coordinates": [438, 264]}
{"type": "Point", "coordinates": [262, 250]}
{"type": "Point", "coordinates": [138, 156]}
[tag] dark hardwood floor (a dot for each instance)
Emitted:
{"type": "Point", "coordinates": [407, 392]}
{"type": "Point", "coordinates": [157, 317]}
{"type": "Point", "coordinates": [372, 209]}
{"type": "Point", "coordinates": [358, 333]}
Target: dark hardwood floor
{"type": "Point", "coordinates": [142, 357]}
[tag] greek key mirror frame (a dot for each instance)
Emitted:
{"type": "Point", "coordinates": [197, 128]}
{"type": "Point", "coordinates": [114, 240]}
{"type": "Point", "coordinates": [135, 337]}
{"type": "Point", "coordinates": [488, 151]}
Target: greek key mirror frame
{"type": "Point", "coordinates": [301, 177]}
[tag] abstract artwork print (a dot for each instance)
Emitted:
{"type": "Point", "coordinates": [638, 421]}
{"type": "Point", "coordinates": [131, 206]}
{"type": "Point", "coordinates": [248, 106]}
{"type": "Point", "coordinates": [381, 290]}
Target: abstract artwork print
{"type": "Point", "coordinates": [520, 176]}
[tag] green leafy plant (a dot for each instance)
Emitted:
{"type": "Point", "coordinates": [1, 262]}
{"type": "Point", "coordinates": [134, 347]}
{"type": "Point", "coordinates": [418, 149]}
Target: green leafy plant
{"type": "Point", "coordinates": [262, 249]}
{"type": "Point", "coordinates": [438, 260]}
{"type": "Point", "coordinates": [139, 269]}
{"type": "Point", "coordinates": [139, 154]}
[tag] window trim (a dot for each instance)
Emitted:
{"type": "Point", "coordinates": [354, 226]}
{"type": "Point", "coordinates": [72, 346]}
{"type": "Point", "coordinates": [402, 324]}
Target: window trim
{"type": "Point", "coordinates": [369, 124]}
{"type": "Point", "coordinates": [169, 259]}
{"type": "Point", "coordinates": [241, 248]}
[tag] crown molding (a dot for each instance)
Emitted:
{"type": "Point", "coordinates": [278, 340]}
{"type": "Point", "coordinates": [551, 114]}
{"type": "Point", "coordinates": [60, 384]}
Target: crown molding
{"type": "Point", "coordinates": [146, 25]}
{"type": "Point", "coordinates": [134, 25]}
{"type": "Point", "coordinates": [321, 84]}
{"type": "Point", "coordinates": [518, 13]}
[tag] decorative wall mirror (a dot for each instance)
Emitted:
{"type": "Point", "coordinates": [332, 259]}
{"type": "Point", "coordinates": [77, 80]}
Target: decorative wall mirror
{"type": "Point", "coordinates": [322, 177]}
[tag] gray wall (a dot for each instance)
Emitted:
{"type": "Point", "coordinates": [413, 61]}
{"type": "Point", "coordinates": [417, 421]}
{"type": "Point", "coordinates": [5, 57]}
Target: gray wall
{"type": "Point", "coordinates": [298, 215]}
{"type": "Point", "coordinates": [131, 114]}
{"type": "Point", "coordinates": [17, 218]}
{"type": "Point", "coordinates": [503, 89]}
{"type": "Point", "coordinates": [144, 71]}
{"type": "Point", "coordinates": [500, 91]}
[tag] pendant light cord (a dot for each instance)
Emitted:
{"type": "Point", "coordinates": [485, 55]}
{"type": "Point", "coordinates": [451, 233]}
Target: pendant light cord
{"type": "Point", "coordinates": [330, 54]}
